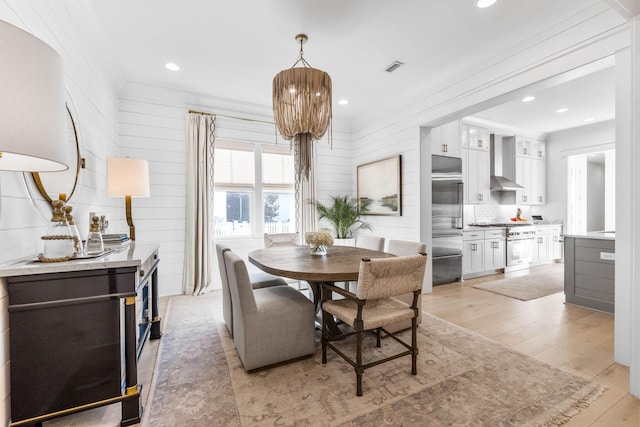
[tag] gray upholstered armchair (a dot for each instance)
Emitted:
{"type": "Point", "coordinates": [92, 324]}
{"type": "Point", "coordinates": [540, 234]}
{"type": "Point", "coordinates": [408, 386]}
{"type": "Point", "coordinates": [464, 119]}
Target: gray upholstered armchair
{"type": "Point", "coordinates": [271, 325]}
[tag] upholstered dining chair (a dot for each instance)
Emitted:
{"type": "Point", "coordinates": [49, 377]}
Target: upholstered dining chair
{"type": "Point", "coordinates": [280, 239]}
{"type": "Point", "coordinates": [284, 239]}
{"type": "Point", "coordinates": [370, 242]}
{"type": "Point", "coordinates": [258, 280]}
{"type": "Point", "coordinates": [373, 307]}
{"type": "Point", "coordinates": [271, 325]}
{"type": "Point", "coordinates": [401, 248]}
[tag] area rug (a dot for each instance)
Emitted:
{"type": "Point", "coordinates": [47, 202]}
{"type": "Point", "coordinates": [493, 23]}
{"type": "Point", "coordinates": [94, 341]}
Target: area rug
{"type": "Point", "coordinates": [531, 286]}
{"type": "Point", "coordinates": [191, 385]}
{"type": "Point", "coordinates": [463, 379]}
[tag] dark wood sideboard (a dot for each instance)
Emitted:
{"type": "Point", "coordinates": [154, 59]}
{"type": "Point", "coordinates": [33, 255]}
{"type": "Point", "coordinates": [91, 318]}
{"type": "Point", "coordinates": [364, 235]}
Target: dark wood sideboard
{"type": "Point", "coordinates": [76, 330]}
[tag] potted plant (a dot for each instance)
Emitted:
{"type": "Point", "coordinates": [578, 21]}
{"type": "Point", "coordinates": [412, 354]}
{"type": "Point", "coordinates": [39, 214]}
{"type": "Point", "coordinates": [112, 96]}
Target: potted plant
{"type": "Point", "coordinates": [344, 215]}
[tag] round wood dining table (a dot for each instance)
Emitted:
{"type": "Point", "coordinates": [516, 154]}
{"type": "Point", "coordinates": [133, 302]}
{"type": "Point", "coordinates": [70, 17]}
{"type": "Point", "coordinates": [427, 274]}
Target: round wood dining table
{"type": "Point", "coordinates": [340, 264]}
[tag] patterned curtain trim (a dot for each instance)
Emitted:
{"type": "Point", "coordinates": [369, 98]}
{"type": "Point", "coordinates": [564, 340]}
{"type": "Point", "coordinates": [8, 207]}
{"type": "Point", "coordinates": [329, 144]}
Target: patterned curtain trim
{"type": "Point", "coordinates": [198, 254]}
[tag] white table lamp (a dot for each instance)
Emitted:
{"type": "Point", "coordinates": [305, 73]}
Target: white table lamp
{"type": "Point", "coordinates": [129, 178]}
{"type": "Point", "coordinates": [32, 104]}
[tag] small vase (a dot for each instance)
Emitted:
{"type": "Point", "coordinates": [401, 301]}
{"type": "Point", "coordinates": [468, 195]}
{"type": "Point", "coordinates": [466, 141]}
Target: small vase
{"type": "Point", "coordinates": [318, 249]}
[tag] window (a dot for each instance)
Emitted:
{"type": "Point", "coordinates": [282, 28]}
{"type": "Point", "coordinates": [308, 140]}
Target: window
{"type": "Point", "coordinates": [246, 174]}
{"type": "Point", "coordinates": [278, 198]}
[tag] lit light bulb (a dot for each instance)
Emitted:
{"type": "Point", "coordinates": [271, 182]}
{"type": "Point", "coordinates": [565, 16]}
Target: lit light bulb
{"type": "Point", "coordinates": [485, 3]}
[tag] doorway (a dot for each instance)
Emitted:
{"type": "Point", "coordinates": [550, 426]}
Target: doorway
{"type": "Point", "coordinates": [591, 192]}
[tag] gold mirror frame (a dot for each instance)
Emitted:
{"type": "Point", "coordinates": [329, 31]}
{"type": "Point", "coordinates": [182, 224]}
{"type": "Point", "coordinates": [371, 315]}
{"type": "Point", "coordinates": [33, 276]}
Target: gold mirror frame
{"type": "Point", "coordinates": [37, 178]}
{"type": "Point", "coordinates": [37, 183]}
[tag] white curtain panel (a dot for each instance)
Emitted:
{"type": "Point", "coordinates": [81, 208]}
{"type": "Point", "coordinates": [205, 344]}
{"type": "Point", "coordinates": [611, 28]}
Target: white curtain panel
{"type": "Point", "coordinates": [198, 253]}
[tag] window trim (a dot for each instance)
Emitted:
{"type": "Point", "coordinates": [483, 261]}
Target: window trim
{"type": "Point", "coordinates": [258, 189]}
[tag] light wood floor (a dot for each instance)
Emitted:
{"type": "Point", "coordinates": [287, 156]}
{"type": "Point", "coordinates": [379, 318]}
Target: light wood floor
{"type": "Point", "coordinates": [569, 337]}
{"type": "Point", "coordinates": [572, 338]}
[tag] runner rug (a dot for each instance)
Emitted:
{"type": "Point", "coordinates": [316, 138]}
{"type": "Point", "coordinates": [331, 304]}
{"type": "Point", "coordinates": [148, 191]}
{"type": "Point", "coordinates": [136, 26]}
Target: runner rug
{"type": "Point", "coordinates": [463, 379]}
{"type": "Point", "coordinates": [528, 287]}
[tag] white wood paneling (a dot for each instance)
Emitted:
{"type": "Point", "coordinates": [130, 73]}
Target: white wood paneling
{"type": "Point", "coordinates": [21, 223]}
{"type": "Point", "coordinates": [153, 127]}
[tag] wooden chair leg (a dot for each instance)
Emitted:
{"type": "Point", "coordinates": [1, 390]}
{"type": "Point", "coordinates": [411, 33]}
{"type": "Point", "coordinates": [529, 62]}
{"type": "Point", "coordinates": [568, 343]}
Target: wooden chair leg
{"type": "Point", "coordinates": [359, 369]}
{"type": "Point", "coordinates": [414, 346]}
{"type": "Point", "coordinates": [378, 337]}
{"type": "Point", "coordinates": [323, 340]}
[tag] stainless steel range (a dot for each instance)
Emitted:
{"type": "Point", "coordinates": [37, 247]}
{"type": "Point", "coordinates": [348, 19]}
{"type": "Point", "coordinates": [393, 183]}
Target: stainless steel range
{"type": "Point", "coordinates": [519, 244]}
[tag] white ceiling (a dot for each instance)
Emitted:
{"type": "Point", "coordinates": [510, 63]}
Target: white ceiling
{"type": "Point", "coordinates": [233, 49]}
{"type": "Point", "coordinates": [588, 97]}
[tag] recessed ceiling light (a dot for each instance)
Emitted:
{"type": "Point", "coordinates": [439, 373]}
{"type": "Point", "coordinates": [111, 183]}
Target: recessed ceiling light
{"type": "Point", "coordinates": [528, 98]}
{"type": "Point", "coordinates": [485, 3]}
{"type": "Point", "coordinates": [562, 110]}
{"type": "Point", "coordinates": [589, 119]}
{"type": "Point", "coordinates": [343, 102]}
{"type": "Point", "coordinates": [171, 66]}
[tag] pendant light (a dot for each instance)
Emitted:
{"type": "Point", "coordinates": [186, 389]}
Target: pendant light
{"type": "Point", "coordinates": [302, 107]}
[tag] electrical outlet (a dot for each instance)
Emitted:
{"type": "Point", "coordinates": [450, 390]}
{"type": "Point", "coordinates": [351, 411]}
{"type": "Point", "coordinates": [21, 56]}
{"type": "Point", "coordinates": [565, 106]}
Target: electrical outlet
{"type": "Point", "coordinates": [610, 256]}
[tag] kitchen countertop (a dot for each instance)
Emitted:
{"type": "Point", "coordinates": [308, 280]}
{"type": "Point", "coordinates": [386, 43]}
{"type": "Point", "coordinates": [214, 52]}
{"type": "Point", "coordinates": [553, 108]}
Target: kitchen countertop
{"type": "Point", "coordinates": [600, 235]}
{"type": "Point", "coordinates": [483, 227]}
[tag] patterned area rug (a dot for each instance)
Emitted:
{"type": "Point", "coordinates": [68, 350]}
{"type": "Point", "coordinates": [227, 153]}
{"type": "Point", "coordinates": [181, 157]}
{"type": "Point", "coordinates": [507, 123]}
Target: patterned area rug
{"type": "Point", "coordinates": [463, 379]}
{"type": "Point", "coordinates": [531, 286]}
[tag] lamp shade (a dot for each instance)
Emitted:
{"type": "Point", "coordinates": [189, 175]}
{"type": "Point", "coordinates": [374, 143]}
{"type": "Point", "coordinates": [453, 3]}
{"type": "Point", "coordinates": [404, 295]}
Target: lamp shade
{"type": "Point", "coordinates": [32, 104]}
{"type": "Point", "coordinates": [127, 177]}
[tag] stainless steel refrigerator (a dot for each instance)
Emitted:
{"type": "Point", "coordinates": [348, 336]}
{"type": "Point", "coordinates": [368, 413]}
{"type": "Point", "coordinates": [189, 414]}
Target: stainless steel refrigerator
{"type": "Point", "coordinates": [447, 211]}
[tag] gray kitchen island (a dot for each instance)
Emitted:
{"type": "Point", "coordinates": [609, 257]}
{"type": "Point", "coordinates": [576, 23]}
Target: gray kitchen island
{"type": "Point", "coordinates": [589, 272]}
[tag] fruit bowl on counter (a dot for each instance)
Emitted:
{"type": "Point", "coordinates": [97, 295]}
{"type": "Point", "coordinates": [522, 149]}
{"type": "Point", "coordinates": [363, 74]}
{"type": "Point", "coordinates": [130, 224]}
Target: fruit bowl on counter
{"type": "Point", "coordinates": [518, 219]}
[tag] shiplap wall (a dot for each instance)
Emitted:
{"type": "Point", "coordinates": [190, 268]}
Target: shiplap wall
{"type": "Point", "coordinates": [21, 223]}
{"type": "Point", "coordinates": [153, 127]}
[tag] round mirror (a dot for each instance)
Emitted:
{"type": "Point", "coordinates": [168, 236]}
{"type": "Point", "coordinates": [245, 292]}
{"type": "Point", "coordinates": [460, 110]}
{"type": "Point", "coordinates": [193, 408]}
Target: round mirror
{"type": "Point", "coordinates": [59, 185]}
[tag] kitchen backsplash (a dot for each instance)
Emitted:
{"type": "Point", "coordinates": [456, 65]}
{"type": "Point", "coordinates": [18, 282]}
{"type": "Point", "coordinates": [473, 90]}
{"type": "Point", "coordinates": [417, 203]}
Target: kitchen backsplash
{"type": "Point", "coordinates": [495, 212]}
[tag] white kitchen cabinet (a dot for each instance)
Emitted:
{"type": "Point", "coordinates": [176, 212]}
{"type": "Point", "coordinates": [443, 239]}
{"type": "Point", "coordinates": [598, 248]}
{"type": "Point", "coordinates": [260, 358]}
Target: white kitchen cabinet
{"type": "Point", "coordinates": [477, 138]}
{"type": "Point", "coordinates": [473, 252]}
{"type": "Point", "coordinates": [531, 173]}
{"type": "Point", "coordinates": [555, 242]}
{"type": "Point", "coordinates": [446, 139]}
{"type": "Point", "coordinates": [495, 255]}
{"type": "Point", "coordinates": [538, 191]}
{"type": "Point", "coordinates": [540, 251]}
{"type": "Point", "coordinates": [539, 150]}
{"type": "Point", "coordinates": [523, 146]}
{"type": "Point", "coordinates": [533, 148]}
{"type": "Point", "coordinates": [546, 244]}
{"type": "Point", "coordinates": [523, 177]}
{"type": "Point", "coordinates": [476, 175]}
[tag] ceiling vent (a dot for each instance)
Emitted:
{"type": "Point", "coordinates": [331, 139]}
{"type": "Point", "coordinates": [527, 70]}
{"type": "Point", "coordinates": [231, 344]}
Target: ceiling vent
{"type": "Point", "coordinates": [394, 66]}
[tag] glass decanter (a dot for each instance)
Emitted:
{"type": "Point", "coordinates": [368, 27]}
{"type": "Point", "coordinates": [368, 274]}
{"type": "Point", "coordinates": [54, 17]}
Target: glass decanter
{"type": "Point", "coordinates": [59, 240]}
{"type": "Point", "coordinates": [94, 244]}
{"type": "Point", "coordinates": [74, 229]}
